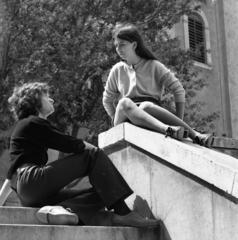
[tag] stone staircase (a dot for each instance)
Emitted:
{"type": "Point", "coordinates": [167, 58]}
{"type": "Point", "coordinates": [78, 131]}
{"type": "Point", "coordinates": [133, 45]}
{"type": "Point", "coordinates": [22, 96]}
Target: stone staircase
{"type": "Point", "coordinates": [191, 189]}
{"type": "Point", "coordinates": [18, 223]}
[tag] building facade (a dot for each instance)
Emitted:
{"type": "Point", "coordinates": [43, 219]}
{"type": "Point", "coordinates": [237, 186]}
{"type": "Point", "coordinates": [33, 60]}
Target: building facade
{"type": "Point", "coordinates": [216, 26]}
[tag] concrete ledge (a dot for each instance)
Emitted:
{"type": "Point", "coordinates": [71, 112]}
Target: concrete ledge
{"type": "Point", "coordinates": [211, 166]}
{"type": "Point", "coordinates": [36, 232]}
{"type": "Point", "coordinates": [225, 143]}
{"type": "Point", "coordinates": [192, 189]}
{"type": "Point", "coordinates": [18, 215]}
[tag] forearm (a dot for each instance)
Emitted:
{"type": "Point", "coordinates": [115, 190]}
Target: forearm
{"type": "Point", "coordinates": [110, 96]}
{"type": "Point", "coordinates": [180, 109]}
{"type": "Point", "coordinates": [5, 191]}
{"type": "Point", "coordinates": [41, 133]}
{"type": "Point", "coordinates": [109, 108]}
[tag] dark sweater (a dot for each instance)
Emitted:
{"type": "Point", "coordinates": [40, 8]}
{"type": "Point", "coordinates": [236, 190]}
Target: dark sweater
{"type": "Point", "coordinates": [31, 139]}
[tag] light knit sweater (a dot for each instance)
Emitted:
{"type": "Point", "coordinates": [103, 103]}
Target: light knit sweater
{"type": "Point", "coordinates": [145, 79]}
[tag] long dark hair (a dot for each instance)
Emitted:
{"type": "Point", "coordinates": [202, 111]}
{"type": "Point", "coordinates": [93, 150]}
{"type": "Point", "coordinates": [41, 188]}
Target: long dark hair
{"type": "Point", "coordinates": [129, 32]}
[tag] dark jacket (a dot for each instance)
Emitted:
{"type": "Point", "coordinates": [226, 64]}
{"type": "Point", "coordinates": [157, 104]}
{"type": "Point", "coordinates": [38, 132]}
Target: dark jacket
{"type": "Point", "coordinates": [31, 139]}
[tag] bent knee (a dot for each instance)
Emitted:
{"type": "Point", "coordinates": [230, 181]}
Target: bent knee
{"type": "Point", "coordinates": [146, 105]}
{"type": "Point", "coordinates": [125, 104]}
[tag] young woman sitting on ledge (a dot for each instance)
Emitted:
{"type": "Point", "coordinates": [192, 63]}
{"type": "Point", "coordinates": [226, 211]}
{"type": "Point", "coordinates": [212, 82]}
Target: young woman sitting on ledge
{"type": "Point", "coordinates": [137, 84]}
{"type": "Point", "coordinates": [42, 185]}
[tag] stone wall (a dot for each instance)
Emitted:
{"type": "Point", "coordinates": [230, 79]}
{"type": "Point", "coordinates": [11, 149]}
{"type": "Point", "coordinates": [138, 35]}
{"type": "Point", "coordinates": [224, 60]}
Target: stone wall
{"type": "Point", "coordinates": [220, 95]}
{"type": "Point", "coordinates": [192, 189]}
{"type": "Point", "coordinates": [230, 10]}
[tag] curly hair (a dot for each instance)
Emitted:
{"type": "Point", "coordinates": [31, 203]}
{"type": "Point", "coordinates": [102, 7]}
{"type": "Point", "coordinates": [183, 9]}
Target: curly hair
{"type": "Point", "coordinates": [26, 99]}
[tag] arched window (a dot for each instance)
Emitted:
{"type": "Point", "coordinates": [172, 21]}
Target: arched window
{"type": "Point", "coordinates": [196, 37]}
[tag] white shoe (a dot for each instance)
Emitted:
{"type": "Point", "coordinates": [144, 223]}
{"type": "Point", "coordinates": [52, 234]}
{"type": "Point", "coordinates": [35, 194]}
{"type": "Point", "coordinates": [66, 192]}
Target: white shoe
{"type": "Point", "coordinates": [175, 132]}
{"type": "Point", "coordinates": [56, 215]}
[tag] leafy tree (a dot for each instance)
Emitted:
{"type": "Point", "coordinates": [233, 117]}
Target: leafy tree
{"type": "Point", "coordinates": [8, 13]}
{"type": "Point", "coordinates": [68, 44]}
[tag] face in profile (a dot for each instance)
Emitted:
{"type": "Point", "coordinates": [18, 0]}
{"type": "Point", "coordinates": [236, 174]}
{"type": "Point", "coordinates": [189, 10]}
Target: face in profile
{"type": "Point", "coordinates": [47, 107]}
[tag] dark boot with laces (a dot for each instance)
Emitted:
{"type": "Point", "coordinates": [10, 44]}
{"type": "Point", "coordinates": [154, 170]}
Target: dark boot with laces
{"type": "Point", "coordinates": [175, 132]}
{"type": "Point", "coordinates": [204, 140]}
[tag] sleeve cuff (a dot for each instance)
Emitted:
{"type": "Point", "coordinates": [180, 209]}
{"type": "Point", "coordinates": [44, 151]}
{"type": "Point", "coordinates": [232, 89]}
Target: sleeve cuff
{"type": "Point", "coordinates": [81, 146]}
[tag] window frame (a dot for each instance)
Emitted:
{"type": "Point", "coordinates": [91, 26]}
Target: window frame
{"type": "Point", "coordinates": [207, 44]}
{"type": "Point", "coordinates": [197, 36]}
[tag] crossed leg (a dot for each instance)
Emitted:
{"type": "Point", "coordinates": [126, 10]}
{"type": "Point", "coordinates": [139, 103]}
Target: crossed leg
{"type": "Point", "coordinates": [148, 115]}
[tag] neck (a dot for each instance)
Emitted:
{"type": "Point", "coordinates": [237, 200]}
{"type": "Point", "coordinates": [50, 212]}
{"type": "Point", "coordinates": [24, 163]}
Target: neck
{"type": "Point", "coordinates": [41, 116]}
{"type": "Point", "coordinates": [134, 61]}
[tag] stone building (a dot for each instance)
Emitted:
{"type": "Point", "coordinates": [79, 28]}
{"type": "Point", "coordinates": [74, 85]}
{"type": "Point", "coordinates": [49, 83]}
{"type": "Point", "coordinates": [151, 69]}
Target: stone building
{"type": "Point", "coordinates": [216, 25]}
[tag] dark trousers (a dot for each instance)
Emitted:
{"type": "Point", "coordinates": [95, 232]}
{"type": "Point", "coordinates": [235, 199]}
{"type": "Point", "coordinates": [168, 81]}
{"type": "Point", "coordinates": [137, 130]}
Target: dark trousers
{"type": "Point", "coordinates": [38, 186]}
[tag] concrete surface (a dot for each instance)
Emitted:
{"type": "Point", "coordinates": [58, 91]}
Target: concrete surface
{"type": "Point", "coordinates": [18, 215]}
{"type": "Point", "coordinates": [192, 189]}
{"type": "Point", "coordinates": [226, 143]}
{"type": "Point", "coordinates": [36, 232]}
{"type": "Point", "coordinates": [212, 166]}
{"type": "Point", "coordinates": [21, 223]}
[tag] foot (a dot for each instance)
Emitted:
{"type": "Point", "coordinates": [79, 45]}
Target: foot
{"type": "Point", "coordinates": [175, 132]}
{"type": "Point", "coordinates": [133, 219]}
{"type": "Point", "coordinates": [204, 140]}
{"type": "Point", "coordinates": [57, 215]}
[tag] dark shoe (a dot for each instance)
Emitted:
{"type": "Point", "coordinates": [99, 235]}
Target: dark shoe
{"type": "Point", "coordinates": [57, 215]}
{"type": "Point", "coordinates": [133, 219]}
{"type": "Point", "coordinates": [175, 132]}
{"type": "Point", "coordinates": [204, 140]}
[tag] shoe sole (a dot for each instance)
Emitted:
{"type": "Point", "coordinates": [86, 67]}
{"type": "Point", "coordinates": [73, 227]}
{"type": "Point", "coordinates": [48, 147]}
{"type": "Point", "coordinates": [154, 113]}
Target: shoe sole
{"type": "Point", "coordinates": [57, 218]}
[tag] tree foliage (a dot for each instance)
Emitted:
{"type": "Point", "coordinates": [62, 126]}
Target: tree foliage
{"type": "Point", "coordinates": [68, 44]}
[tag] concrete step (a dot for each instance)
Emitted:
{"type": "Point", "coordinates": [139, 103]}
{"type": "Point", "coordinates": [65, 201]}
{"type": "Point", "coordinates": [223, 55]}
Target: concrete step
{"type": "Point", "coordinates": [18, 215]}
{"type": "Point", "coordinates": [43, 232]}
{"type": "Point", "coordinates": [21, 223]}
